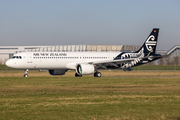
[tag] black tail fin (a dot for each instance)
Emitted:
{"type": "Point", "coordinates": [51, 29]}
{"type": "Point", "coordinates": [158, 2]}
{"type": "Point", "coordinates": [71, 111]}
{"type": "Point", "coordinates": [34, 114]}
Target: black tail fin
{"type": "Point", "coordinates": [149, 46]}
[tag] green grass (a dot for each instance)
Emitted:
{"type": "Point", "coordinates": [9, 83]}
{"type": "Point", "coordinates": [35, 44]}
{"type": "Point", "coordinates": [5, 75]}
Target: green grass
{"type": "Point", "coordinates": [69, 98]}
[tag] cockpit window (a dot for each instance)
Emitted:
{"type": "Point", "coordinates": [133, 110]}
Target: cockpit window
{"type": "Point", "coordinates": [16, 57]}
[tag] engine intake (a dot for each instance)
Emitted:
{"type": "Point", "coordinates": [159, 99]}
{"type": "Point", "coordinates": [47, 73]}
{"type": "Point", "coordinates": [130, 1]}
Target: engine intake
{"type": "Point", "coordinates": [85, 69]}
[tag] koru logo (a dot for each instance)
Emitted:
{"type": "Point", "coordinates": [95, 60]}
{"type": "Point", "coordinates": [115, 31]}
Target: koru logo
{"type": "Point", "coordinates": [150, 42]}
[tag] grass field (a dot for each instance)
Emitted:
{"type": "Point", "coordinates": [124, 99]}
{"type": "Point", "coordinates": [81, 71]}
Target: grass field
{"type": "Point", "coordinates": [118, 95]}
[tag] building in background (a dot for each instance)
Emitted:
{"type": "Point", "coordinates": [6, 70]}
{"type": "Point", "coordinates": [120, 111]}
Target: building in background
{"type": "Point", "coordinates": [6, 52]}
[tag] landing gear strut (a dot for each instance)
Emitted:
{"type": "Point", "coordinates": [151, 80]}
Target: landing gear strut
{"type": "Point", "coordinates": [26, 73]}
{"type": "Point", "coordinates": [97, 74]}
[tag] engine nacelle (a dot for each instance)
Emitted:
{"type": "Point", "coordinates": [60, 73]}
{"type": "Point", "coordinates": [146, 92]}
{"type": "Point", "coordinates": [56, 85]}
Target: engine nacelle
{"type": "Point", "coordinates": [85, 69]}
{"type": "Point", "coordinates": [57, 72]}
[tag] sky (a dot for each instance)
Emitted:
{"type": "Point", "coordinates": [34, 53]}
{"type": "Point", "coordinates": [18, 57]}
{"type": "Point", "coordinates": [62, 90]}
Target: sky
{"type": "Point", "coordinates": [81, 22]}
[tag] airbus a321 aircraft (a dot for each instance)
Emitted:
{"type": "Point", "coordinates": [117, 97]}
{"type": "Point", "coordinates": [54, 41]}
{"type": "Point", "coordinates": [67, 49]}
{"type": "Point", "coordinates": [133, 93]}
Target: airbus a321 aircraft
{"type": "Point", "coordinates": [86, 63]}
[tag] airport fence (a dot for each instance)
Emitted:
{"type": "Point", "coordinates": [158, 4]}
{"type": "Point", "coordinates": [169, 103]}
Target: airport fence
{"type": "Point", "coordinates": [142, 67]}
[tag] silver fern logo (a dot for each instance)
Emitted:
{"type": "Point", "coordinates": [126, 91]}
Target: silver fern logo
{"type": "Point", "coordinates": [140, 54]}
{"type": "Point", "coordinates": [150, 43]}
{"type": "Point", "coordinates": [132, 63]}
{"type": "Point", "coordinates": [138, 57]}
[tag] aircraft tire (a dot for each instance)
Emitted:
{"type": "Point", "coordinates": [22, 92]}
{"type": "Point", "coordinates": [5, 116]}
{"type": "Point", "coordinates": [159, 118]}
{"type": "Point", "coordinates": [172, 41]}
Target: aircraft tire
{"type": "Point", "coordinates": [25, 75]}
{"type": "Point", "coordinates": [97, 74]}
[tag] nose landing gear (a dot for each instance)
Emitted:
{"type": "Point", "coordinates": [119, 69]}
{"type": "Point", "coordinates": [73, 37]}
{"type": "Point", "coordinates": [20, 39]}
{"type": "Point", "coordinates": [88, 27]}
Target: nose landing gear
{"type": "Point", "coordinates": [26, 73]}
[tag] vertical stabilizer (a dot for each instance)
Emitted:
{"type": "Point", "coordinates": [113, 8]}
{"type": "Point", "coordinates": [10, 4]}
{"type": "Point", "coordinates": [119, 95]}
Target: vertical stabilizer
{"type": "Point", "coordinates": [150, 44]}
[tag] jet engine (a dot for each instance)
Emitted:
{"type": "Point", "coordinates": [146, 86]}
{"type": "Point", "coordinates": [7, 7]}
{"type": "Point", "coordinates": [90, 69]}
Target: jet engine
{"type": "Point", "coordinates": [85, 69]}
{"type": "Point", "coordinates": [57, 72]}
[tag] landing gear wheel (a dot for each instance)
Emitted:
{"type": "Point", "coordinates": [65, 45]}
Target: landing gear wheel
{"type": "Point", "coordinates": [77, 75]}
{"type": "Point", "coordinates": [97, 74]}
{"type": "Point", "coordinates": [25, 75]}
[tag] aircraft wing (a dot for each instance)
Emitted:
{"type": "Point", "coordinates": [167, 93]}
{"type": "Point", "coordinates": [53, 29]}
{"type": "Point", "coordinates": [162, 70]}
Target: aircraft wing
{"type": "Point", "coordinates": [129, 62]}
{"type": "Point", "coordinates": [114, 63]}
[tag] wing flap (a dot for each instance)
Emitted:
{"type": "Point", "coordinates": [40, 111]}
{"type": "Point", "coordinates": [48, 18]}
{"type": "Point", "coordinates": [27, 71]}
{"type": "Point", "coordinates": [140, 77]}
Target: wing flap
{"type": "Point", "coordinates": [111, 63]}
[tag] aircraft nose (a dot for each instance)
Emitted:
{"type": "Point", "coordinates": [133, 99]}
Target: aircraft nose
{"type": "Point", "coordinates": [9, 63]}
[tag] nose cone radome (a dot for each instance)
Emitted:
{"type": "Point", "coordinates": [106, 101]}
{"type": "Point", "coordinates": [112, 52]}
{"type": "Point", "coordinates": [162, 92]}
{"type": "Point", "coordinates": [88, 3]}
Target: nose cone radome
{"type": "Point", "coordinates": [9, 63]}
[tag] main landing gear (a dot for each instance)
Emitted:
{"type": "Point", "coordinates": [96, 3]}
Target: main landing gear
{"type": "Point", "coordinates": [97, 74]}
{"type": "Point", "coordinates": [26, 73]}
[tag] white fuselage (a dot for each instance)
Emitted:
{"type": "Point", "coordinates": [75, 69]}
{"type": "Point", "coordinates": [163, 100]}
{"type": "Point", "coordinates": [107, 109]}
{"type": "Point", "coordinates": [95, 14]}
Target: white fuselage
{"type": "Point", "coordinates": [57, 60]}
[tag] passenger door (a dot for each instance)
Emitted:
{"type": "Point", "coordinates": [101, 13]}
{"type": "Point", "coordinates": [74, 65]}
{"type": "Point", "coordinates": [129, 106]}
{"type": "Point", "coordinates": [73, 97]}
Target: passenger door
{"type": "Point", "coordinates": [29, 58]}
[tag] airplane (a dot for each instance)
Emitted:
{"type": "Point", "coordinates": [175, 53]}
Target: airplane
{"type": "Point", "coordinates": [86, 63]}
